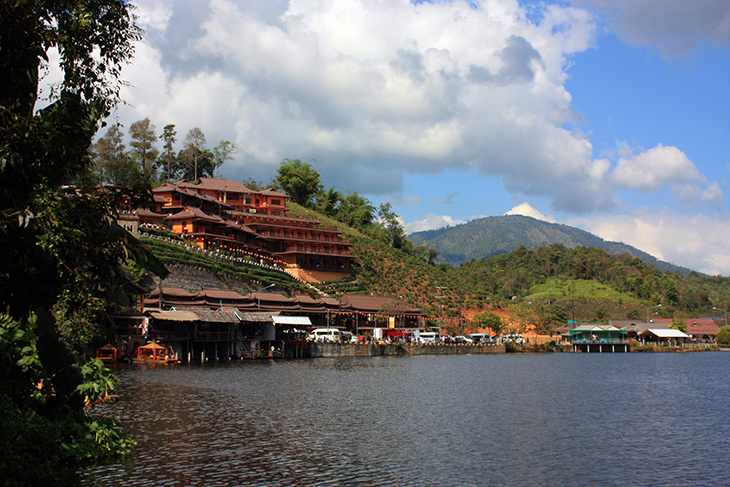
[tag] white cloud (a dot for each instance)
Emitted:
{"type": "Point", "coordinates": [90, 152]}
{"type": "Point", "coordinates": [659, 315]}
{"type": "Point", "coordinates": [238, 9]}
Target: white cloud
{"type": "Point", "coordinates": [695, 241]}
{"type": "Point", "coordinates": [386, 86]}
{"type": "Point", "coordinates": [673, 27]}
{"type": "Point", "coordinates": [432, 222]}
{"type": "Point", "coordinates": [664, 165]}
{"type": "Point", "coordinates": [155, 15]}
{"type": "Point", "coordinates": [526, 209]}
{"type": "Point", "coordinates": [648, 170]}
{"type": "Point", "coordinates": [712, 195]}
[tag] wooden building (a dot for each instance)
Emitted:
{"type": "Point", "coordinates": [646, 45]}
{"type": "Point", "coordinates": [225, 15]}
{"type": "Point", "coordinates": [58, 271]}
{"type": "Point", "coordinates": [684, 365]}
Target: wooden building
{"type": "Point", "coordinates": [219, 214]}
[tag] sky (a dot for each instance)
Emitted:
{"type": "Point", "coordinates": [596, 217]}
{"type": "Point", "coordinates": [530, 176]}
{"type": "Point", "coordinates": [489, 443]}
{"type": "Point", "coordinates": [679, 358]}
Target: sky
{"type": "Point", "coordinates": [609, 115]}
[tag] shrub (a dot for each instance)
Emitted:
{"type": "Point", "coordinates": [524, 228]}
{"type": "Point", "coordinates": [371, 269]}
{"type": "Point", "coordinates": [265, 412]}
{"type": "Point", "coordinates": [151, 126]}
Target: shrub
{"type": "Point", "coordinates": [723, 335]}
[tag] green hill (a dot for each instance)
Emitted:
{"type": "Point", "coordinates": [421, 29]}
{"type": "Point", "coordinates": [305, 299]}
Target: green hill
{"type": "Point", "coordinates": [494, 235]}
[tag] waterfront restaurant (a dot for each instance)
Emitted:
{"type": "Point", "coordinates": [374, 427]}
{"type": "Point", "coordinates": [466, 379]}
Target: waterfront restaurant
{"type": "Point", "coordinates": [591, 337]}
{"type": "Point", "coordinates": [664, 336]}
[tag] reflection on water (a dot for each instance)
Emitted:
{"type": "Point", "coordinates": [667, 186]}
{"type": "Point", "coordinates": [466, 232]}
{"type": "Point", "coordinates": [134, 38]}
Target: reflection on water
{"type": "Point", "coordinates": [558, 419]}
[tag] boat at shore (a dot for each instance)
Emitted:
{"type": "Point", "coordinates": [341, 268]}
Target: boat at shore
{"type": "Point", "coordinates": [154, 353]}
{"type": "Point", "coordinates": [107, 354]}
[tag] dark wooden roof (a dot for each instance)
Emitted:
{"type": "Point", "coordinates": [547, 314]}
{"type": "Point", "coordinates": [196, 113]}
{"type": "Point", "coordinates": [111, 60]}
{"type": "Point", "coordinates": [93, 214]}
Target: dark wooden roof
{"type": "Point", "coordinates": [274, 302]}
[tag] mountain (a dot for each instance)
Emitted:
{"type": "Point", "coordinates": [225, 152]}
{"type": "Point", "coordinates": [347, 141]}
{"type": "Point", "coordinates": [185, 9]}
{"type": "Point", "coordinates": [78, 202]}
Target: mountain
{"type": "Point", "coordinates": [484, 237]}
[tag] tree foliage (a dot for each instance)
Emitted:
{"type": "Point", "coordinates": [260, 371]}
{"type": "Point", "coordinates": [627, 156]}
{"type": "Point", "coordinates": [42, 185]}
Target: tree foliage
{"type": "Point", "coordinates": [254, 184]}
{"type": "Point", "coordinates": [62, 249]}
{"type": "Point", "coordinates": [221, 153]}
{"type": "Point", "coordinates": [491, 321]}
{"type": "Point", "coordinates": [299, 180]}
{"type": "Point", "coordinates": [395, 234]}
{"type": "Point", "coordinates": [113, 164]}
{"type": "Point", "coordinates": [167, 157]}
{"type": "Point", "coordinates": [723, 335]}
{"type": "Point", "coordinates": [144, 153]}
{"type": "Point", "coordinates": [195, 159]}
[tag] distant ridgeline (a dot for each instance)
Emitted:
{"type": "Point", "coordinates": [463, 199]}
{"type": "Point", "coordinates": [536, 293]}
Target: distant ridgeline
{"type": "Point", "coordinates": [485, 237]}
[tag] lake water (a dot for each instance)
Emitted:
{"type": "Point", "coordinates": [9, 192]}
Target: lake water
{"type": "Point", "coordinates": [552, 419]}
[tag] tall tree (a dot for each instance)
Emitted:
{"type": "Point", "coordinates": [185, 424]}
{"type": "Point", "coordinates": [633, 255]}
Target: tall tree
{"type": "Point", "coordinates": [144, 153]}
{"type": "Point", "coordinates": [394, 231]}
{"type": "Point", "coordinates": [299, 180]}
{"type": "Point", "coordinates": [61, 247]}
{"type": "Point", "coordinates": [168, 158]}
{"type": "Point", "coordinates": [221, 153]}
{"type": "Point", "coordinates": [112, 162]}
{"type": "Point", "coordinates": [195, 159]}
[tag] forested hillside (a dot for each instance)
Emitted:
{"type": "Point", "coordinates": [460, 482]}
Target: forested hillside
{"type": "Point", "coordinates": [485, 237]}
{"type": "Point", "coordinates": [517, 273]}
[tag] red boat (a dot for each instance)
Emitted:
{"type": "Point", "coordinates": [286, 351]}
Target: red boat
{"type": "Point", "coordinates": [154, 353]}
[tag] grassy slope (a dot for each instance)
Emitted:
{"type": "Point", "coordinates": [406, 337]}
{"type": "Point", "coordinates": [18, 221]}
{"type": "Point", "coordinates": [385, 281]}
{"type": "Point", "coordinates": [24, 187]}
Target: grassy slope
{"type": "Point", "coordinates": [556, 288]}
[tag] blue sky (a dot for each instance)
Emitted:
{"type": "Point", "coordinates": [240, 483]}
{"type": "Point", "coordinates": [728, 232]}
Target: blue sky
{"type": "Point", "coordinates": [612, 116]}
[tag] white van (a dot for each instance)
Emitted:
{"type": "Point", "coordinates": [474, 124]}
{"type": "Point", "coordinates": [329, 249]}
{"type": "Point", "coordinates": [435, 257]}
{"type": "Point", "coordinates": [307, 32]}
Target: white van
{"type": "Point", "coordinates": [429, 337]}
{"type": "Point", "coordinates": [326, 335]}
{"type": "Point", "coordinates": [481, 337]}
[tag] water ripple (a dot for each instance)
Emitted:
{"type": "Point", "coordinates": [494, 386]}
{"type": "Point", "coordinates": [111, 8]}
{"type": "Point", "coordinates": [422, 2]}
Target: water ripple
{"type": "Point", "coordinates": [561, 419]}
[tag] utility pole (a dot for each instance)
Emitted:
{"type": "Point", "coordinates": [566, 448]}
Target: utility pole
{"type": "Point", "coordinates": [441, 309]}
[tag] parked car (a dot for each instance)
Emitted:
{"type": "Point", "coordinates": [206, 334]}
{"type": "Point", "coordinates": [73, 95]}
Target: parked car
{"type": "Point", "coordinates": [513, 337]}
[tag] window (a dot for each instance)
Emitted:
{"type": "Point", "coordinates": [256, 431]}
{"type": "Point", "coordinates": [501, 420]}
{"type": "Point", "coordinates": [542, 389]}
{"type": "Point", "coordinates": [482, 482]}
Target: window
{"type": "Point", "coordinates": [276, 202]}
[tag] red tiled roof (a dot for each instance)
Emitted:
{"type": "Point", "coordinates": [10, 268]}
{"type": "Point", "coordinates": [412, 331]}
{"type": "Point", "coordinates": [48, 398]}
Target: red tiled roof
{"type": "Point", "coordinates": [148, 213]}
{"type": "Point", "coordinates": [304, 299]}
{"type": "Point", "coordinates": [164, 188]}
{"type": "Point", "coordinates": [195, 212]}
{"type": "Point", "coordinates": [173, 291]}
{"type": "Point", "coordinates": [273, 297]}
{"type": "Point", "coordinates": [271, 192]}
{"type": "Point", "coordinates": [212, 184]}
{"type": "Point", "coordinates": [182, 188]}
{"type": "Point", "coordinates": [695, 326]}
{"type": "Point", "coordinates": [220, 294]}
{"type": "Point", "coordinates": [704, 326]}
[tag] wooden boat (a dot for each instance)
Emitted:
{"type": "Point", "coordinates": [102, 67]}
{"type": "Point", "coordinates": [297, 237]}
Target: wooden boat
{"type": "Point", "coordinates": [154, 353]}
{"type": "Point", "coordinates": [107, 354]}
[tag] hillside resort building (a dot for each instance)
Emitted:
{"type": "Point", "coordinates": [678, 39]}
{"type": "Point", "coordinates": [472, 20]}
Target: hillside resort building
{"type": "Point", "coordinates": [220, 214]}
